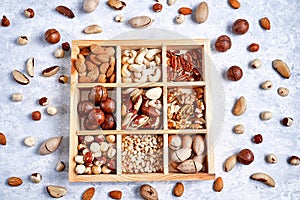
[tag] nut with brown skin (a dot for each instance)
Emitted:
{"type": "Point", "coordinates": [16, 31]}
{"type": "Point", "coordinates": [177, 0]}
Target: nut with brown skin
{"type": "Point", "coordinates": [234, 73]}
{"type": "Point", "coordinates": [265, 23]}
{"type": "Point", "coordinates": [253, 47]}
{"type": "Point", "coordinates": [108, 105]}
{"type": "Point", "coordinates": [218, 184]}
{"type": "Point", "coordinates": [115, 194]}
{"type": "Point", "coordinates": [257, 138]}
{"type": "Point", "coordinates": [36, 177]}
{"type": "Point", "coordinates": [287, 121]}
{"type": "Point", "coordinates": [294, 160]}
{"type": "Point", "coordinates": [245, 156]}
{"type": "Point", "coordinates": [271, 158]}
{"type": "Point", "coordinates": [2, 139]}
{"type": "Point", "coordinates": [178, 189]}
{"type": "Point", "coordinates": [157, 7]}
{"type": "Point", "coordinates": [5, 22]}
{"type": "Point", "coordinates": [29, 12]}
{"type": "Point", "coordinates": [234, 4]}
{"type": "Point", "coordinates": [36, 115]}
{"type": "Point", "coordinates": [240, 27]}
{"type": "Point", "coordinates": [52, 36]}
{"type": "Point", "coordinates": [65, 46]}
{"type": "Point", "coordinates": [223, 43]}
{"type": "Point", "coordinates": [63, 79]}
{"type": "Point", "coordinates": [44, 101]}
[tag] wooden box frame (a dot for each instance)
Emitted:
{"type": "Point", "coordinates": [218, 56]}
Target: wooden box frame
{"type": "Point", "coordinates": [74, 118]}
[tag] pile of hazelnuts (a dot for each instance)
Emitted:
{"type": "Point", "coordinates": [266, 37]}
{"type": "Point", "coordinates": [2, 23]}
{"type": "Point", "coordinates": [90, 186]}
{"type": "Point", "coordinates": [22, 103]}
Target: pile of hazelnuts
{"type": "Point", "coordinates": [98, 110]}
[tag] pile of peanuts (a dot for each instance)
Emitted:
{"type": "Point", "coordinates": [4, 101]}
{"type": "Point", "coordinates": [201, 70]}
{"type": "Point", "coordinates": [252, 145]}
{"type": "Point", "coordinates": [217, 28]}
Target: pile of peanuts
{"type": "Point", "coordinates": [142, 153]}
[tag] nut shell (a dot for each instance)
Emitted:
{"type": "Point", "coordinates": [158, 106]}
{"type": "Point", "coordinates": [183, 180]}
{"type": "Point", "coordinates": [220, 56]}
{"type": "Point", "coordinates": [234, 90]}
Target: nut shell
{"type": "Point", "coordinates": [223, 43]}
{"type": "Point", "coordinates": [234, 73]}
{"type": "Point", "coordinates": [52, 36]}
{"type": "Point", "coordinates": [98, 94]}
{"type": "Point", "coordinates": [240, 27]}
{"type": "Point", "coordinates": [84, 107]}
{"type": "Point", "coordinates": [245, 156]}
{"type": "Point", "coordinates": [96, 117]}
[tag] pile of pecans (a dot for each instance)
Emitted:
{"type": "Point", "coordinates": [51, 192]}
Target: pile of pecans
{"type": "Point", "coordinates": [186, 108]}
{"type": "Point", "coordinates": [142, 153]}
{"type": "Point", "coordinates": [184, 65]}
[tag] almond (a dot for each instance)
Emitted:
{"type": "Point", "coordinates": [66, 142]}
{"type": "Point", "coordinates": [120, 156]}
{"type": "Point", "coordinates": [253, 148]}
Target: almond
{"type": "Point", "coordinates": [265, 23]}
{"type": "Point", "coordinates": [178, 189]}
{"type": "Point", "coordinates": [65, 11]}
{"type": "Point", "coordinates": [14, 181]}
{"type": "Point", "coordinates": [88, 194]}
{"type": "Point", "coordinates": [2, 139]}
{"type": "Point", "coordinates": [218, 184]}
{"type": "Point", "coordinates": [115, 194]}
{"type": "Point", "coordinates": [234, 4]}
{"type": "Point", "coordinates": [282, 68]}
{"type": "Point", "coordinates": [20, 78]}
{"type": "Point", "coordinates": [185, 11]}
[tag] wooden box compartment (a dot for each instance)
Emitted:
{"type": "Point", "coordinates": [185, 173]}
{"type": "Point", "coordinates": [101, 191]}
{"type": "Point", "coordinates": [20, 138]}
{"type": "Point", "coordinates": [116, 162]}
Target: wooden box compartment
{"type": "Point", "coordinates": [139, 142]}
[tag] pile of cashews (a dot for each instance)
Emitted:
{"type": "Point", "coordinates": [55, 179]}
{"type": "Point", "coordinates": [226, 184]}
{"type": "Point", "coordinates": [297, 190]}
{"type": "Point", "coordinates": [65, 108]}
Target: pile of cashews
{"type": "Point", "coordinates": [141, 66]}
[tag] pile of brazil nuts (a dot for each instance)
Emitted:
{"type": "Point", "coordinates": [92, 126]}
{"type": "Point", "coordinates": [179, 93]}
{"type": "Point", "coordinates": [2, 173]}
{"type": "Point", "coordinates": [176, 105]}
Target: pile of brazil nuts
{"type": "Point", "coordinates": [96, 64]}
{"type": "Point", "coordinates": [186, 108]}
{"type": "Point", "coordinates": [142, 108]}
{"type": "Point", "coordinates": [140, 66]}
{"type": "Point", "coordinates": [142, 153]}
{"type": "Point", "coordinates": [96, 155]}
{"type": "Point", "coordinates": [184, 65]}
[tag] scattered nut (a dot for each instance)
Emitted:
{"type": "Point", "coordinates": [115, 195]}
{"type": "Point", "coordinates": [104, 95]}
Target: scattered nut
{"type": "Point", "coordinates": [115, 194]}
{"type": "Point", "coordinates": [80, 169]}
{"type": "Point", "coordinates": [239, 129]}
{"type": "Point", "coordinates": [60, 166]}
{"type": "Point", "coordinates": [140, 22]}
{"type": "Point", "coordinates": [116, 4]}
{"type": "Point", "coordinates": [185, 11]}
{"type": "Point", "coordinates": [171, 2]}
{"type": "Point", "coordinates": [180, 19]}
{"type": "Point", "coordinates": [294, 160]}
{"type": "Point", "coordinates": [256, 63]}
{"type": "Point", "coordinates": [218, 184]}
{"type": "Point", "coordinates": [56, 191]}
{"type": "Point", "coordinates": [20, 78]}
{"type": "Point", "coordinates": [253, 47]}
{"type": "Point", "coordinates": [65, 46]}
{"type": "Point", "coordinates": [52, 36]}
{"type": "Point", "coordinates": [92, 29]}
{"type": "Point", "coordinates": [257, 138]}
{"type": "Point", "coordinates": [44, 101]}
{"type": "Point", "coordinates": [88, 194]}
{"type": "Point", "coordinates": [271, 158]}
{"type": "Point", "coordinates": [230, 163]}
{"type": "Point", "coordinates": [201, 13]}
{"type": "Point", "coordinates": [36, 177]}
{"type": "Point", "coordinates": [2, 139]}
{"type": "Point", "coordinates": [90, 5]}
{"type": "Point", "coordinates": [266, 115]}
{"type": "Point", "coordinates": [59, 53]}
{"type": "Point", "coordinates": [50, 145]}
{"type": "Point", "coordinates": [63, 79]}
{"type": "Point", "coordinates": [148, 192]}
{"type": "Point", "coordinates": [265, 23]}
{"type": "Point", "coordinates": [22, 40]}
{"type": "Point", "coordinates": [282, 68]}
{"type": "Point", "coordinates": [245, 156]}
{"type": "Point", "coordinates": [29, 141]}
{"type": "Point", "coordinates": [178, 189]}
{"type": "Point", "coordinates": [4, 21]}
{"type": "Point", "coordinates": [50, 71]}
{"type": "Point", "coordinates": [264, 178]}
{"type": "Point", "coordinates": [65, 11]}
{"type": "Point", "coordinates": [36, 115]}
{"type": "Point", "coordinates": [119, 18]}
{"type": "Point", "coordinates": [51, 110]}
{"type": "Point", "coordinates": [157, 7]}
{"type": "Point", "coordinates": [30, 66]}
{"type": "Point", "coordinates": [14, 181]}
{"type": "Point", "coordinates": [223, 43]}
{"type": "Point", "coordinates": [234, 73]}
{"type": "Point", "coordinates": [240, 27]}
{"type": "Point", "coordinates": [282, 91]}
{"type": "Point", "coordinates": [267, 85]}
{"type": "Point", "coordinates": [16, 97]}
{"type": "Point", "coordinates": [29, 12]}
{"type": "Point", "coordinates": [234, 4]}
{"type": "Point", "coordinates": [240, 106]}
{"type": "Point", "coordinates": [287, 121]}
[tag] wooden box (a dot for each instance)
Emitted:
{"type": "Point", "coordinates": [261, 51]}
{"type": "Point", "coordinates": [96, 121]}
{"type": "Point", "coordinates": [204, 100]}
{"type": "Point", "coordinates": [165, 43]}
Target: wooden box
{"type": "Point", "coordinates": [161, 104]}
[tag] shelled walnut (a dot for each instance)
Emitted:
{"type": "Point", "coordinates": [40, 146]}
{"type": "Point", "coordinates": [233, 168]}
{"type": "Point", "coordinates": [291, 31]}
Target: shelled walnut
{"type": "Point", "coordinates": [186, 108]}
{"type": "Point", "coordinates": [96, 64]}
{"type": "Point", "coordinates": [96, 155]}
{"type": "Point", "coordinates": [184, 65]}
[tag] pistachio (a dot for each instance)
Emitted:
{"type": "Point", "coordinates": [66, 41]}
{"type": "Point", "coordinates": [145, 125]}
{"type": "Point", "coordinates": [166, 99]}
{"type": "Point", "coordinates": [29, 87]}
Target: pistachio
{"type": "Point", "coordinates": [264, 178]}
{"type": "Point", "coordinates": [283, 91]}
{"type": "Point", "coordinates": [282, 68]}
{"type": "Point", "coordinates": [93, 29]}
{"type": "Point", "coordinates": [267, 85]}
{"type": "Point", "coordinates": [140, 22]}
{"type": "Point", "coordinates": [240, 106]}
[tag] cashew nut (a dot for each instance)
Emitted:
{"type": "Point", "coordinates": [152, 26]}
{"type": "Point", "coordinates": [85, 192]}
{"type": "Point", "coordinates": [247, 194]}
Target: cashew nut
{"type": "Point", "coordinates": [126, 80]}
{"type": "Point", "coordinates": [143, 79]}
{"type": "Point", "coordinates": [140, 57]}
{"type": "Point", "coordinates": [146, 62]}
{"type": "Point", "coordinates": [126, 52]}
{"type": "Point", "coordinates": [124, 59]}
{"type": "Point", "coordinates": [137, 74]}
{"type": "Point", "coordinates": [150, 54]}
{"type": "Point", "coordinates": [136, 67]}
{"type": "Point", "coordinates": [155, 76]}
{"type": "Point", "coordinates": [124, 71]}
{"type": "Point", "coordinates": [132, 56]}
{"type": "Point", "coordinates": [157, 59]}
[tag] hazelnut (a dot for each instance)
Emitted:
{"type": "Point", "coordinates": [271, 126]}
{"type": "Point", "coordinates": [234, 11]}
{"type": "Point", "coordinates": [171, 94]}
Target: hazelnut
{"type": "Point", "coordinates": [59, 53]}
{"type": "Point", "coordinates": [98, 94]}
{"type": "Point", "coordinates": [44, 101]}
{"type": "Point", "coordinates": [80, 169]}
{"type": "Point", "coordinates": [157, 7]}
{"type": "Point", "coordinates": [36, 177]}
{"type": "Point", "coordinates": [240, 27]}
{"type": "Point", "coordinates": [96, 169]}
{"type": "Point", "coordinates": [84, 107]}
{"type": "Point", "coordinates": [96, 117]}
{"type": "Point", "coordinates": [245, 156]}
{"type": "Point", "coordinates": [79, 159]}
{"type": "Point", "coordinates": [36, 115]}
{"type": "Point", "coordinates": [287, 121]}
{"type": "Point", "coordinates": [51, 110]}
{"type": "Point", "coordinates": [180, 19]}
{"type": "Point", "coordinates": [88, 157]}
{"type": "Point", "coordinates": [267, 85]}
{"type": "Point", "coordinates": [65, 46]}
{"type": "Point", "coordinates": [108, 105]}
{"type": "Point", "coordinates": [256, 63]}
{"type": "Point", "coordinates": [29, 12]}
{"type": "Point", "coordinates": [253, 47]}
{"type": "Point", "coordinates": [111, 138]}
{"type": "Point", "coordinates": [257, 139]}
{"type": "Point", "coordinates": [52, 36]}
{"type": "Point", "coordinates": [16, 97]}
{"type": "Point", "coordinates": [63, 79]}
{"type": "Point", "coordinates": [22, 40]}
{"type": "Point", "coordinates": [88, 125]}
{"type": "Point", "coordinates": [271, 158]}
{"type": "Point", "coordinates": [29, 141]}
{"type": "Point", "coordinates": [60, 166]}
{"type": "Point", "coordinates": [266, 115]}
{"type": "Point", "coordinates": [5, 22]}
{"type": "Point", "coordinates": [234, 73]}
{"type": "Point", "coordinates": [239, 129]}
{"type": "Point", "coordinates": [119, 18]}
{"type": "Point", "coordinates": [99, 138]}
{"type": "Point", "coordinates": [294, 160]}
{"type": "Point", "coordinates": [282, 91]}
{"type": "Point", "coordinates": [223, 43]}
{"type": "Point", "coordinates": [109, 122]}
